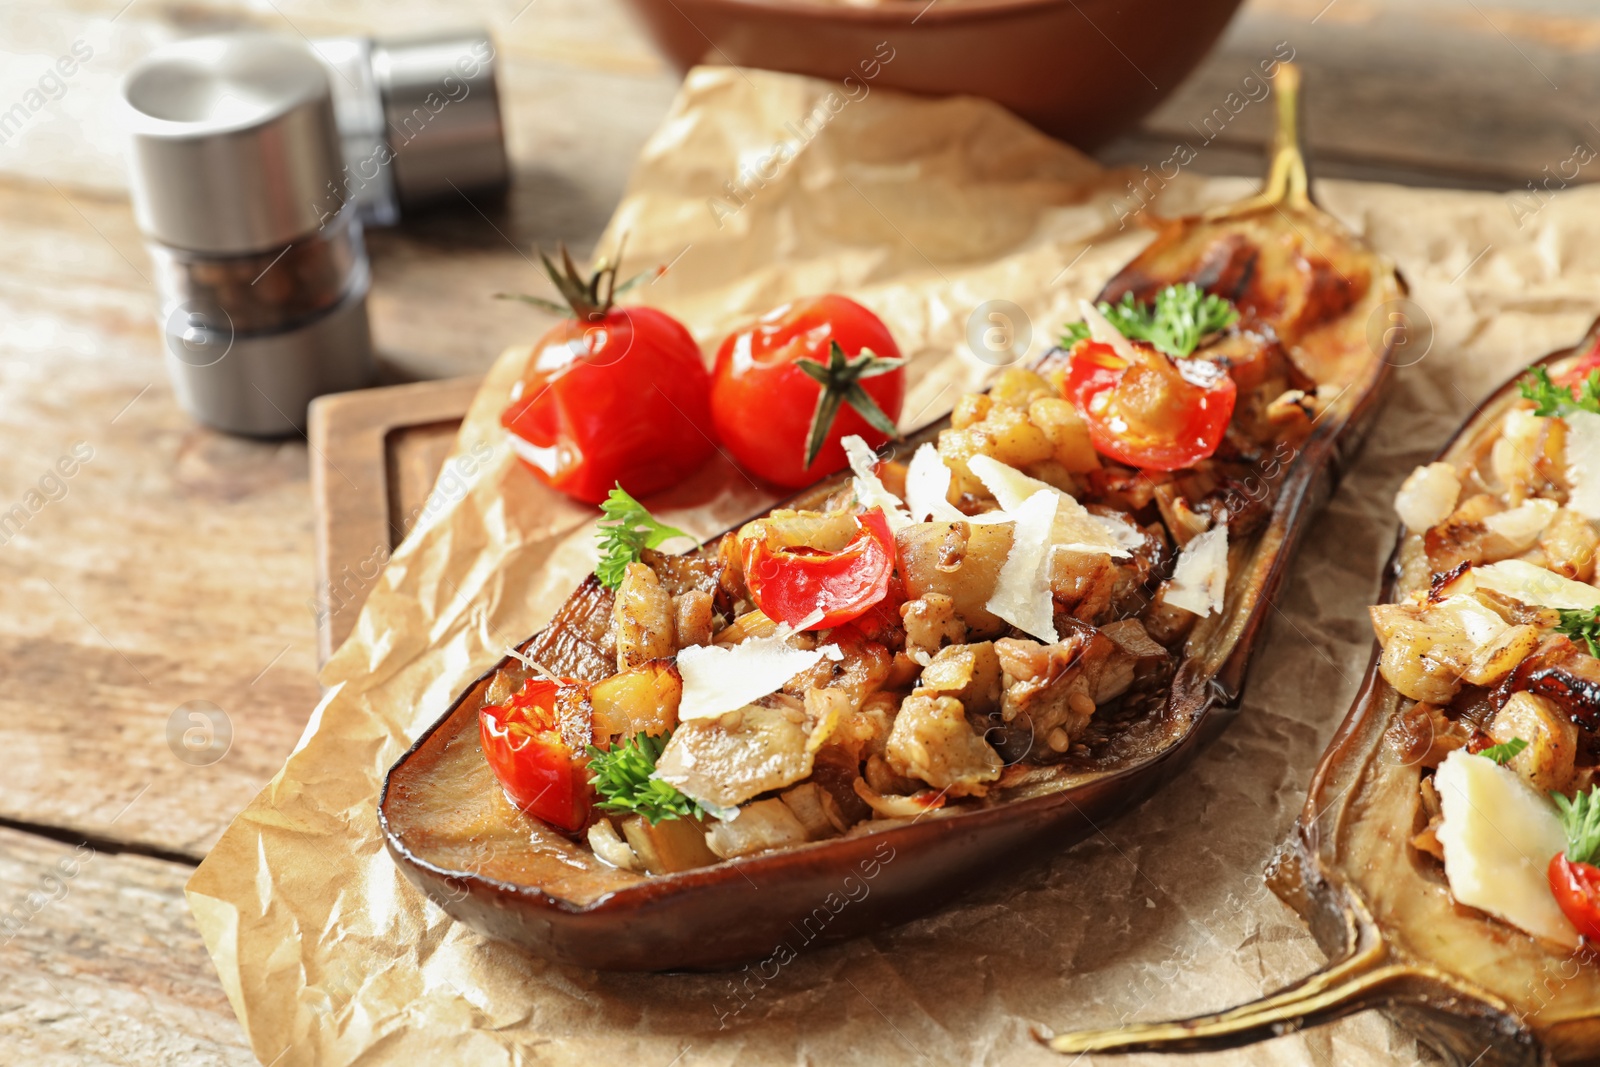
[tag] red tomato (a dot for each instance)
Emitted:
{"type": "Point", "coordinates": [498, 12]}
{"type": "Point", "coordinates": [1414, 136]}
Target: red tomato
{"type": "Point", "coordinates": [621, 396]}
{"type": "Point", "coordinates": [762, 403]}
{"type": "Point", "coordinates": [1149, 414]}
{"type": "Point", "coordinates": [789, 585]}
{"type": "Point", "coordinates": [536, 768]}
{"type": "Point", "coordinates": [1577, 890]}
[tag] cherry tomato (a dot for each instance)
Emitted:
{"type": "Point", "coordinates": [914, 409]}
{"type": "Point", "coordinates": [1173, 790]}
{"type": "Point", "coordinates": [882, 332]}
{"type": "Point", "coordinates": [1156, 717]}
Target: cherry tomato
{"type": "Point", "coordinates": [762, 403]}
{"type": "Point", "coordinates": [1577, 890]}
{"type": "Point", "coordinates": [536, 768]}
{"type": "Point", "coordinates": [619, 396]}
{"type": "Point", "coordinates": [789, 584]}
{"type": "Point", "coordinates": [1150, 414]}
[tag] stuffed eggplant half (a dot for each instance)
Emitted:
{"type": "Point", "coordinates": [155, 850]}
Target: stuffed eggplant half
{"type": "Point", "coordinates": [1007, 630]}
{"type": "Point", "coordinates": [1447, 854]}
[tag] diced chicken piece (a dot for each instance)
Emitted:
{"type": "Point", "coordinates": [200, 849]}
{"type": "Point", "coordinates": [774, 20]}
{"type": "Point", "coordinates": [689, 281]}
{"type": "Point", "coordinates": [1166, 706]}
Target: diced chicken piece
{"type": "Point", "coordinates": [726, 761]}
{"type": "Point", "coordinates": [643, 618]}
{"type": "Point", "coordinates": [887, 781]}
{"type": "Point", "coordinates": [816, 810]}
{"type": "Point", "coordinates": [1067, 432]}
{"type": "Point", "coordinates": [1547, 763]}
{"type": "Point", "coordinates": [644, 699]}
{"type": "Point", "coordinates": [1428, 496]}
{"type": "Point", "coordinates": [1082, 583]}
{"type": "Point", "coordinates": [1430, 649]}
{"type": "Point", "coordinates": [930, 623]}
{"type": "Point", "coordinates": [759, 826]}
{"type": "Point", "coordinates": [933, 741]}
{"type": "Point", "coordinates": [969, 673]}
{"type": "Point", "coordinates": [1052, 688]}
{"type": "Point", "coordinates": [1528, 451]}
{"type": "Point", "coordinates": [1569, 544]}
{"type": "Point", "coordinates": [959, 560]}
{"type": "Point", "coordinates": [691, 622]}
{"type": "Point", "coordinates": [1138, 659]}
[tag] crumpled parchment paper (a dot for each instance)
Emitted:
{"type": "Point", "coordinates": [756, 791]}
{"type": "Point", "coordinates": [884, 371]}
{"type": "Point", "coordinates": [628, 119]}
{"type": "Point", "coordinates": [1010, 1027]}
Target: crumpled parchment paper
{"type": "Point", "coordinates": [758, 188]}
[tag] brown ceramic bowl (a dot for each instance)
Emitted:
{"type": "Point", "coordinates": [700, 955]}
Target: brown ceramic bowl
{"type": "Point", "coordinates": [1080, 70]}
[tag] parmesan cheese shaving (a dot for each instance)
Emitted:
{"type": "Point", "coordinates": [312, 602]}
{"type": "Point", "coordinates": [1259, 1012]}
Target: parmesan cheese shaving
{"type": "Point", "coordinates": [1074, 527]}
{"type": "Point", "coordinates": [869, 490]}
{"type": "Point", "coordinates": [1498, 837]}
{"type": "Point", "coordinates": [1583, 463]}
{"type": "Point", "coordinates": [1532, 584]}
{"type": "Point", "coordinates": [1200, 579]}
{"type": "Point", "coordinates": [928, 488]}
{"type": "Point", "coordinates": [1022, 592]}
{"type": "Point", "coordinates": [718, 679]}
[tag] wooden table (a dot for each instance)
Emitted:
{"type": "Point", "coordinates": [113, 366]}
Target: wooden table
{"type": "Point", "coordinates": [175, 565]}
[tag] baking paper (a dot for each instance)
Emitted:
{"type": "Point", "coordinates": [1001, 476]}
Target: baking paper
{"type": "Point", "coordinates": [974, 237]}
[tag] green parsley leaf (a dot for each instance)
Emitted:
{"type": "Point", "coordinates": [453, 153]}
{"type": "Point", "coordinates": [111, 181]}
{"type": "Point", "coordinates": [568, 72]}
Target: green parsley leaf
{"type": "Point", "coordinates": [626, 529]}
{"type": "Point", "coordinates": [1552, 399]}
{"type": "Point", "coordinates": [1181, 317]}
{"type": "Point", "coordinates": [622, 778]}
{"type": "Point", "coordinates": [1580, 817]}
{"type": "Point", "coordinates": [1504, 754]}
{"type": "Point", "coordinates": [1581, 624]}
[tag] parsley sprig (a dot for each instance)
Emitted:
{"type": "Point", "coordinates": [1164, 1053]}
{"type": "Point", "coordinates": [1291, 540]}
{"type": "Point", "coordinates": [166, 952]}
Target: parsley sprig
{"type": "Point", "coordinates": [1581, 624]}
{"type": "Point", "coordinates": [1580, 818]}
{"type": "Point", "coordinates": [626, 529]}
{"type": "Point", "coordinates": [622, 778]}
{"type": "Point", "coordinates": [1180, 318]}
{"type": "Point", "coordinates": [1504, 754]}
{"type": "Point", "coordinates": [1552, 399]}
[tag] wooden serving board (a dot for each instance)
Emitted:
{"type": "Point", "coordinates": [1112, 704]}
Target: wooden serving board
{"type": "Point", "coordinates": [374, 456]}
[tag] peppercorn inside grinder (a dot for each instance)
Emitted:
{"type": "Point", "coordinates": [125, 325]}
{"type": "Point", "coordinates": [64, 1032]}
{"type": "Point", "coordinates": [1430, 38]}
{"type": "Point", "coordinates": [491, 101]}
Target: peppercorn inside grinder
{"type": "Point", "coordinates": [264, 292]}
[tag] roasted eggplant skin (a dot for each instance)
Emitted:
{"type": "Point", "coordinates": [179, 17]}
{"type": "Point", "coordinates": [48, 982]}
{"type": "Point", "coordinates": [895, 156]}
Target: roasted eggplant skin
{"type": "Point", "coordinates": [1476, 990]}
{"type": "Point", "coordinates": [534, 891]}
{"type": "Point", "coordinates": [1497, 996]}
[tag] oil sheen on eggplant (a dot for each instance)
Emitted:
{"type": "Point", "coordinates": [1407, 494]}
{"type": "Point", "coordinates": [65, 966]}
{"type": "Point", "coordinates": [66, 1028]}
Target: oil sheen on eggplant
{"type": "Point", "coordinates": [453, 833]}
{"type": "Point", "coordinates": [1478, 990]}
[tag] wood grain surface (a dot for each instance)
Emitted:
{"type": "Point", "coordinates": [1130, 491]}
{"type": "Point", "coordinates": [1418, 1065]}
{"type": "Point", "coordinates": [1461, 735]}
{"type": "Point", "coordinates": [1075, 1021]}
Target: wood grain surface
{"type": "Point", "coordinates": [175, 565]}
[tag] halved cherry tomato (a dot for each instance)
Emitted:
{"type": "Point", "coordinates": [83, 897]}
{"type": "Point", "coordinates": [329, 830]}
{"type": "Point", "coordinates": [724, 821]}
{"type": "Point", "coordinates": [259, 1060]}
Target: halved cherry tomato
{"type": "Point", "coordinates": [762, 403]}
{"type": "Point", "coordinates": [1577, 889]}
{"type": "Point", "coordinates": [538, 770]}
{"type": "Point", "coordinates": [1150, 414]}
{"type": "Point", "coordinates": [789, 585]}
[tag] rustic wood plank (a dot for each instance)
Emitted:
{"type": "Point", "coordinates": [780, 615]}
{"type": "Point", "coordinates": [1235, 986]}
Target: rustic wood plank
{"type": "Point", "coordinates": [1489, 95]}
{"type": "Point", "coordinates": [102, 963]}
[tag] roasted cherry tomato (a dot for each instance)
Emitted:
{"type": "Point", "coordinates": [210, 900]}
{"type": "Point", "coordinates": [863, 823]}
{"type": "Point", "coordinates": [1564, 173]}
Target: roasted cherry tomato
{"type": "Point", "coordinates": [614, 395]}
{"type": "Point", "coordinates": [1150, 414]}
{"type": "Point", "coordinates": [1577, 890]}
{"type": "Point", "coordinates": [538, 770]}
{"type": "Point", "coordinates": [790, 585]}
{"type": "Point", "coordinates": [764, 403]}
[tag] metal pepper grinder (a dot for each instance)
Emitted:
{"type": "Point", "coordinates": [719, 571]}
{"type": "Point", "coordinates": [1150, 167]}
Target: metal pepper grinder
{"type": "Point", "coordinates": [264, 289]}
{"type": "Point", "coordinates": [420, 118]}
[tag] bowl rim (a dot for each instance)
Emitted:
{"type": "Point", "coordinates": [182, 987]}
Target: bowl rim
{"type": "Point", "coordinates": [894, 12]}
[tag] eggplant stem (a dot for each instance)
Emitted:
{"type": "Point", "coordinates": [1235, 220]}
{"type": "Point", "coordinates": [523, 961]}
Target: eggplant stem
{"type": "Point", "coordinates": [1365, 980]}
{"type": "Point", "coordinates": [1287, 183]}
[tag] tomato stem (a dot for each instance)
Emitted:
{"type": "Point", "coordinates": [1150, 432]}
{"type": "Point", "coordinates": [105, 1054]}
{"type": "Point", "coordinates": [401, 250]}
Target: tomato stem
{"type": "Point", "coordinates": [840, 379]}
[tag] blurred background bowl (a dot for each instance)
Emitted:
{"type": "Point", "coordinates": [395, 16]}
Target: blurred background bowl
{"type": "Point", "coordinates": [1081, 70]}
